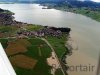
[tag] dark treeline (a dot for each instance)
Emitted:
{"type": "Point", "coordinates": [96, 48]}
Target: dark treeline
{"type": "Point", "coordinates": [61, 29]}
{"type": "Point", "coordinates": [6, 17]}
{"type": "Point", "coordinates": [73, 3]}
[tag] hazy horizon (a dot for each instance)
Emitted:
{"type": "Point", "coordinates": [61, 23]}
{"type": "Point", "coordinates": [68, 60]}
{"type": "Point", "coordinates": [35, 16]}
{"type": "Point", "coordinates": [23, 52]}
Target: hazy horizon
{"type": "Point", "coordinates": [44, 0]}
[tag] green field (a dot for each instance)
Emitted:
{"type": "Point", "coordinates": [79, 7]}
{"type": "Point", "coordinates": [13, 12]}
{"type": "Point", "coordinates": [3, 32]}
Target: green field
{"type": "Point", "coordinates": [41, 67]}
{"type": "Point", "coordinates": [58, 72]}
{"type": "Point", "coordinates": [4, 42]}
{"type": "Point", "coordinates": [60, 49]}
{"type": "Point", "coordinates": [58, 44]}
{"type": "Point", "coordinates": [32, 27]}
{"type": "Point", "coordinates": [40, 51]}
{"type": "Point", "coordinates": [9, 31]}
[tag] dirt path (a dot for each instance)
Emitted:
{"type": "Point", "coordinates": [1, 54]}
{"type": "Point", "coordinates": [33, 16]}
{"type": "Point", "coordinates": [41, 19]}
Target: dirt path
{"type": "Point", "coordinates": [55, 54]}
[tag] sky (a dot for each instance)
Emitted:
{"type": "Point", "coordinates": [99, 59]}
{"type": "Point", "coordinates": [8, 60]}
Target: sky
{"type": "Point", "coordinates": [33, 0]}
{"type": "Point", "coordinates": [92, 0]}
{"type": "Point", "coordinates": [96, 0]}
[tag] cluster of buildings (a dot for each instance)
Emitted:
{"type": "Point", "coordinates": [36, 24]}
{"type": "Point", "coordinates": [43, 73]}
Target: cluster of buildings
{"type": "Point", "coordinates": [41, 33]}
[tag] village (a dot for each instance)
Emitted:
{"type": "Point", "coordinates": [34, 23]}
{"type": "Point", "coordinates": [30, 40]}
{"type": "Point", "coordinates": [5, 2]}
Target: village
{"type": "Point", "coordinates": [45, 31]}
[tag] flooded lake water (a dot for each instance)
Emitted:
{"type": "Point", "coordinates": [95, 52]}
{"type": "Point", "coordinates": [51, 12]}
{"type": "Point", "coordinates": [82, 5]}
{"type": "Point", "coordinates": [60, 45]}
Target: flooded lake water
{"type": "Point", "coordinates": [85, 31]}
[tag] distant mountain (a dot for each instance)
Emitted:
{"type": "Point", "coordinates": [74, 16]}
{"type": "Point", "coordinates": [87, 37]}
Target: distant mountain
{"type": "Point", "coordinates": [73, 3]}
{"type": "Point", "coordinates": [28, 0]}
{"type": "Point", "coordinates": [41, 0]}
{"type": "Point", "coordinates": [78, 3]}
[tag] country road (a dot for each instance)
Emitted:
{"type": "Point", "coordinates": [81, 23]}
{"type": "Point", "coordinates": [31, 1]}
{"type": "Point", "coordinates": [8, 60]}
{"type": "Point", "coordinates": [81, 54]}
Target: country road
{"type": "Point", "coordinates": [55, 55]}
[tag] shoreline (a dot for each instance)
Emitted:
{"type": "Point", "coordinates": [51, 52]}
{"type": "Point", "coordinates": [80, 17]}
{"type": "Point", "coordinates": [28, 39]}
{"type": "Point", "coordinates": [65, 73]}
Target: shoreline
{"type": "Point", "coordinates": [80, 58]}
{"type": "Point", "coordinates": [69, 52]}
{"type": "Point", "coordinates": [77, 58]}
{"type": "Point", "coordinates": [74, 10]}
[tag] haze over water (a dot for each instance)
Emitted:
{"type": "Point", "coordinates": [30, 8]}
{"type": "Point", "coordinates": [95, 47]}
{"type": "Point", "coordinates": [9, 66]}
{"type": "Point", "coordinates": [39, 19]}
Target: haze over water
{"type": "Point", "coordinates": [85, 31]}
